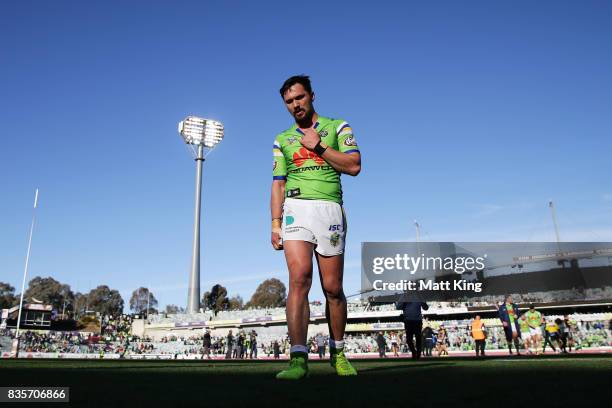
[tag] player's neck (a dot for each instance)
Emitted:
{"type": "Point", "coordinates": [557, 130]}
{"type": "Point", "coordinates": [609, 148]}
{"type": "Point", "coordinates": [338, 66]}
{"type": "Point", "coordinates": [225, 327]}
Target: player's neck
{"type": "Point", "coordinates": [308, 122]}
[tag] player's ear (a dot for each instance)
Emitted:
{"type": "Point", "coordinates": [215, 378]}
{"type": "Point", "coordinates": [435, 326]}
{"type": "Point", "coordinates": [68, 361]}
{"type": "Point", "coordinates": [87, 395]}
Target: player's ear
{"type": "Point", "coordinates": [312, 96]}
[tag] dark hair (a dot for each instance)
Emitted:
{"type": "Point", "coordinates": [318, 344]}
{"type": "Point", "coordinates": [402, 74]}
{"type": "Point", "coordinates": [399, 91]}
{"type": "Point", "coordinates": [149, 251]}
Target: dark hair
{"type": "Point", "coordinates": [531, 306]}
{"type": "Point", "coordinates": [304, 80]}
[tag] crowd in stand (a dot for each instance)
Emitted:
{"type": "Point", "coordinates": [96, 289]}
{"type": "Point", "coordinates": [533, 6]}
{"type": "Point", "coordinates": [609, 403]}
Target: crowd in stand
{"type": "Point", "coordinates": [51, 342]}
{"type": "Point", "coordinates": [116, 328]}
{"type": "Point", "coordinates": [116, 337]}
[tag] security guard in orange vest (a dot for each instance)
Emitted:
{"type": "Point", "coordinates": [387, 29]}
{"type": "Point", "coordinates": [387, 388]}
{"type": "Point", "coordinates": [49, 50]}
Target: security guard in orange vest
{"type": "Point", "coordinates": [478, 333]}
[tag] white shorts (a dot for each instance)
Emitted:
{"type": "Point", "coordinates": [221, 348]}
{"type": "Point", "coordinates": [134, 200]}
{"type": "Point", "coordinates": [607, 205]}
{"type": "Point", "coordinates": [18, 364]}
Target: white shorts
{"type": "Point", "coordinates": [535, 331]}
{"type": "Point", "coordinates": [526, 335]}
{"type": "Point", "coordinates": [317, 221]}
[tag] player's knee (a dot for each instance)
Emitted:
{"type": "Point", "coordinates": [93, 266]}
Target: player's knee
{"type": "Point", "coordinates": [299, 268]}
{"type": "Point", "coordinates": [333, 291]}
{"type": "Point", "coordinates": [300, 283]}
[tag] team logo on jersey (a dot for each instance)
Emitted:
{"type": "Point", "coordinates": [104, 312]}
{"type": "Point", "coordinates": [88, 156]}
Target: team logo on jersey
{"type": "Point", "coordinates": [274, 165]}
{"type": "Point", "coordinates": [323, 133]}
{"type": "Point", "coordinates": [350, 141]}
{"type": "Point", "coordinates": [301, 156]}
{"type": "Point", "coordinates": [291, 140]}
{"type": "Point", "coordinates": [334, 239]}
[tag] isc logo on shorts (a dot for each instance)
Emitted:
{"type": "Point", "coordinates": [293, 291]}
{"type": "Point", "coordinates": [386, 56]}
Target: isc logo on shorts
{"type": "Point", "coordinates": [337, 227]}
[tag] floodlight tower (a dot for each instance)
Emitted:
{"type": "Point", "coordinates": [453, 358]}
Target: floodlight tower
{"type": "Point", "coordinates": [15, 345]}
{"type": "Point", "coordinates": [200, 133]}
{"type": "Point", "coordinates": [551, 205]}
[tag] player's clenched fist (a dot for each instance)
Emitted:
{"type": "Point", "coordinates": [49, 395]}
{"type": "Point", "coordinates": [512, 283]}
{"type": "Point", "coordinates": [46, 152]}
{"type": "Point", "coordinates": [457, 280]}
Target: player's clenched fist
{"type": "Point", "coordinates": [276, 240]}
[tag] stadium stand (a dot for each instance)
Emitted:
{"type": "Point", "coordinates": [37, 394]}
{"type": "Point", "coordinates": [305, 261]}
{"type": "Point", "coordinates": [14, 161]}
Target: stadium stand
{"type": "Point", "coordinates": [117, 339]}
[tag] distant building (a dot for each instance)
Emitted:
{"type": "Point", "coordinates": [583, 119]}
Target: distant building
{"type": "Point", "coordinates": [33, 316]}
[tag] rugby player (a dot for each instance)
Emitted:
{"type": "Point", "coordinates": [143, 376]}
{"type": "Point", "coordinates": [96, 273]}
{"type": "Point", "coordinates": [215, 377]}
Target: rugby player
{"type": "Point", "coordinates": [525, 333]}
{"type": "Point", "coordinates": [307, 218]}
{"type": "Point", "coordinates": [509, 315]}
{"type": "Point", "coordinates": [551, 331]}
{"type": "Point", "coordinates": [535, 320]}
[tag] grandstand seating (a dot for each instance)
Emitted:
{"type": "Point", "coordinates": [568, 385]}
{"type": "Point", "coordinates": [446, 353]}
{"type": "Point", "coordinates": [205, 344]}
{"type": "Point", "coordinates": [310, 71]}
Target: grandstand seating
{"type": "Point", "coordinates": [182, 333]}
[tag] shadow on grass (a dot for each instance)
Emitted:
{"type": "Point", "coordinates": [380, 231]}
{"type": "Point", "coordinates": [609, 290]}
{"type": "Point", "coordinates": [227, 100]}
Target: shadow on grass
{"type": "Point", "coordinates": [404, 367]}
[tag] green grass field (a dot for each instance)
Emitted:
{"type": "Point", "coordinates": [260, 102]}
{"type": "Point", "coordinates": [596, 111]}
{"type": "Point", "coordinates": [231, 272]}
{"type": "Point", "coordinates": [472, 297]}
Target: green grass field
{"type": "Point", "coordinates": [547, 381]}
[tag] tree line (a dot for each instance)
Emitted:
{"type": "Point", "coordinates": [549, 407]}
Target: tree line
{"type": "Point", "coordinates": [104, 300]}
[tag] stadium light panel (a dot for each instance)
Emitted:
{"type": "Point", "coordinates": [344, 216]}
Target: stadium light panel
{"type": "Point", "coordinates": [200, 131]}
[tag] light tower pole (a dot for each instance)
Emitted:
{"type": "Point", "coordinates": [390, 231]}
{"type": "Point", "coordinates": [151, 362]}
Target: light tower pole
{"type": "Point", "coordinates": [202, 133]}
{"type": "Point", "coordinates": [554, 217]}
{"type": "Point", "coordinates": [25, 273]}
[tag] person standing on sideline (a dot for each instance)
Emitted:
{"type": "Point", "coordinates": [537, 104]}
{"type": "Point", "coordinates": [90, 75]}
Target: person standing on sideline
{"type": "Point", "coordinates": [442, 341]}
{"type": "Point", "coordinates": [382, 345]}
{"type": "Point", "coordinates": [229, 343]}
{"type": "Point", "coordinates": [509, 315]}
{"type": "Point", "coordinates": [253, 351]}
{"type": "Point", "coordinates": [428, 339]}
{"type": "Point", "coordinates": [570, 325]}
{"type": "Point", "coordinates": [394, 344]}
{"type": "Point", "coordinates": [308, 218]}
{"type": "Point", "coordinates": [413, 323]}
{"type": "Point", "coordinates": [320, 340]}
{"type": "Point", "coordinates": [478, 334]}
{"type": "Point", "coordinates": [563, 334]}
{"type": "Point", "coordinates": [206, 342]}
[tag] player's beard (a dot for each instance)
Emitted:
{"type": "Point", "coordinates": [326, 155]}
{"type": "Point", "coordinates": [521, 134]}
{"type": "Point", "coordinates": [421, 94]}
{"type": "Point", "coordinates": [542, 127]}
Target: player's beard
{"type": "Point", "coordinates": [306, 120]}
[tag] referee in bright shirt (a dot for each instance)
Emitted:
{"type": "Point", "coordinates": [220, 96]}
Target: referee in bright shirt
{"type": "Point", "coordinates": [307, 218]}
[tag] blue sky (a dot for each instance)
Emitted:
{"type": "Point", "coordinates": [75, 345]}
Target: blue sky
{"type": "Point", "coordinates": [470, 117]}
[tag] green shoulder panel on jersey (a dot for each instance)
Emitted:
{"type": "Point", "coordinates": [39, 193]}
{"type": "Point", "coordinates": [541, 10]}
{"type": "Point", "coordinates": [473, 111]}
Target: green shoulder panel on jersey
{"type": "Point", "coordinates": [307, 174]}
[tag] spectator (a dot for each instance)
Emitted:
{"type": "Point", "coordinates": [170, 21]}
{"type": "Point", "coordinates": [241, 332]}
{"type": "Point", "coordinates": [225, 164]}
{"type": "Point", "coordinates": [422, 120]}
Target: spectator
{"type": "Point", "coordinates": [240, 347]}
{"type": "Point", "coordinates": [442, 341]}
{"type": "Point", "coordinates": [253, 351]}
{"type": "Point", "coordinates": [563, 332]}
{"type": "Point", "coordinates": [320, 341]}
{"type": "Point", "coordinates": [206, 344]}
{"type": "Point", "coordinates": [382, 345]}
{"type": "Point", "coordinates": [479, 336]}
{"type": "Point", "coordinates": [229, 343]}
{"type": "Point", "coordinates": [428, 339]}
{"type": "Point", "coordinates": [394, 344]}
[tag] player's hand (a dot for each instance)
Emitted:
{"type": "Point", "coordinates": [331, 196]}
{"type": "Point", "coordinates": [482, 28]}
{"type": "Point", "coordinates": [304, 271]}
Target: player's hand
{"type": "Point", "coordinates": [505, 324]}
{"type": "Point", "coordinates": [277, 243]}
{"type": "Point", "coordinates": [310, 138]}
